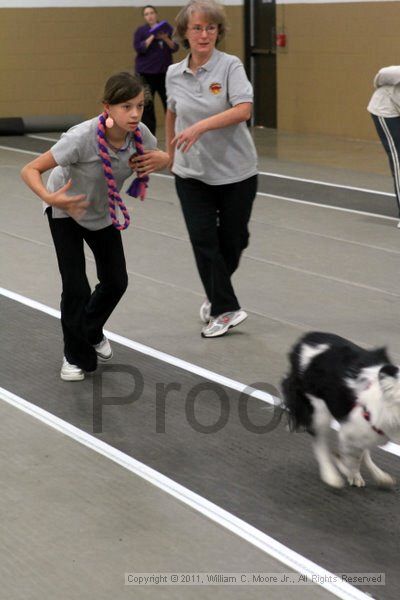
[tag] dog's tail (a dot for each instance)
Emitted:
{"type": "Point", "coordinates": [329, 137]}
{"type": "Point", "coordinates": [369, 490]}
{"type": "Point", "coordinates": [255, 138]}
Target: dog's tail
{"type": "Point", "coordinates": [295, 402]}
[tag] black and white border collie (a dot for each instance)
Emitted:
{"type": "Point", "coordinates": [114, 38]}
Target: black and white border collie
{"type": "Point", "coordinates": [333, 378]}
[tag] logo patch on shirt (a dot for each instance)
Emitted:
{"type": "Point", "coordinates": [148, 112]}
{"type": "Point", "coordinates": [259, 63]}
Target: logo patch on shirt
{"type": "Point", "coordinates": [215, 88]}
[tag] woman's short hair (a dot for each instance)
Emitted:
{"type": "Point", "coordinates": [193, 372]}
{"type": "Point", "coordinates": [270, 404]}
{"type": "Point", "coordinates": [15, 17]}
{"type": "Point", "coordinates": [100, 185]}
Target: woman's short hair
{"type": "Point", "coordinates": [214, 12]}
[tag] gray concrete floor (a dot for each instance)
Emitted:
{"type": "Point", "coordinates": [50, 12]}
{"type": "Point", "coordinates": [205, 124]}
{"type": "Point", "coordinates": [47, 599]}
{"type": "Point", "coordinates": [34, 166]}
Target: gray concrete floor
{"type": "Point", "coordinates": [307, 267]}
{"type": "Point", "coordinates": [75, 523]}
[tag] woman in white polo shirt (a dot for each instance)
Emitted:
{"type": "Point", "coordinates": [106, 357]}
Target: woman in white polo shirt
{"type": "Point", "coordinates": [213, 157]}
{"type": "Point", "coordinates": [384, 107]}
{"type": "Point", "coordinates": [89, 165]}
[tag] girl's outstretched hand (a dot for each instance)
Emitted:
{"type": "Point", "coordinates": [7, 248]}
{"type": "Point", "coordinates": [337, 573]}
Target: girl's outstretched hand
{"type": "Point", "coordinates": [150, 161]}
{"type": "Point", "coordinates": [75, 206]}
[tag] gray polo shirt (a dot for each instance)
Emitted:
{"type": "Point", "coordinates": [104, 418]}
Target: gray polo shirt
{"type": "Point", "coordinates": [77, 155]}
{"type": "Point", "coordinates": [223, 155]}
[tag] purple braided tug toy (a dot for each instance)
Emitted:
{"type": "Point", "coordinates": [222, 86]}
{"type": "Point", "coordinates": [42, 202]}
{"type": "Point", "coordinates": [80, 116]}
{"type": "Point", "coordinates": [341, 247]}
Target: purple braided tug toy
{"type": "Point", "coordinates": [136, 189]}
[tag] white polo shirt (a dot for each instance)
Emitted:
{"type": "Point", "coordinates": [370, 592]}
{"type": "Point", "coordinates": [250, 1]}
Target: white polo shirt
{"type": "Point", "coordinates": [385, 101]}
{"type": "Point", "coordinates": [219, 156]}
{"type": "Point", "coordinates": [77, 155]}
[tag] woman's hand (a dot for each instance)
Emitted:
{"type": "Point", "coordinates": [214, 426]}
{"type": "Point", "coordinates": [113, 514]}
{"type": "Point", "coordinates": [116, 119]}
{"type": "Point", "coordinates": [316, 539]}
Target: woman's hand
{"type": "Point", "coordinates": [148, 41]}
{"type": "Point", "coordinates": [167, 40]}
{"type": "Point", "coordinates": [150, 161]}
{"type": "Point", "coordinates": [162, 36]}
{"type": "Point", "coordinates": [186, 138]}
{"type": "Point", "coordinates": [75, 206]}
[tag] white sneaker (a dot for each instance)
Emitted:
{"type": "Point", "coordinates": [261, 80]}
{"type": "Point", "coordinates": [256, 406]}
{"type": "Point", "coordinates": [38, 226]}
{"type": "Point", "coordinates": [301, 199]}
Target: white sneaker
{"type": "Point", "coordinates": [398, 225]}
{"type": "Point", "coordinates": [205, 311]}
{"type": "Point", "coordinates": [103, 349]}
{"type": "Point", "coordinates": [220, 325]}
{"type": "Point", "coordinates": [71, 372]}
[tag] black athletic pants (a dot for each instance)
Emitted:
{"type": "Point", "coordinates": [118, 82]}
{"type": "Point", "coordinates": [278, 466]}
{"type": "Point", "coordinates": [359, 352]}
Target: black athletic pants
{"type": "Point", "coordinates": [388, 129]}
{"type": "Point", "coordinates": [83, 312]}
{"type": "Point", "coordinates": [217, 219]}
{"type": "Point", "coordinates": [155, 83]}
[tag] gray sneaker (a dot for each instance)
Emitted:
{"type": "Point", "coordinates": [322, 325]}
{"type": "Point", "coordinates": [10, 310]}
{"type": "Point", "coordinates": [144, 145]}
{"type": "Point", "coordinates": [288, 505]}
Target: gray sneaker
{"type": "Point", "coordinates": [103, 349]}
{"type": "Point", "coordinates": [205, 311]}
{"type": "Point", "coordinates": [220, 325]}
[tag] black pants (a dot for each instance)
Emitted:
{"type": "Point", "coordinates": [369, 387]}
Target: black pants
{"type": "Point", "coordinates": [155, 83]}
{"type": "Point", "coordinates": [388, 129]}
{"type": "Point", "coordinates": [217, 219]}
{"type": "Point", "coordinates": [84, 313]}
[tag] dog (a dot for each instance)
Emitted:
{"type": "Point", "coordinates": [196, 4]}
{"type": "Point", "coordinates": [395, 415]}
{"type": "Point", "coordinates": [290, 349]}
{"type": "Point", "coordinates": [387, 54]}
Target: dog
{"type": "Point", "coordinates": [330, 378]}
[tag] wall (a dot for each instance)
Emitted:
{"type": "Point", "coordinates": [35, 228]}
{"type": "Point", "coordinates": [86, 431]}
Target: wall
{"type": "Point", "coordinates": [333, 52]}
{"type": "Point", "coordinates": [54, 61]}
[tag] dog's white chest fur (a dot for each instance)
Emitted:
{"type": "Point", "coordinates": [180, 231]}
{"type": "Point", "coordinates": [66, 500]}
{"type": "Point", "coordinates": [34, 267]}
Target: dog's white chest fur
{"type": "Point", "coordinates": [333, 378]}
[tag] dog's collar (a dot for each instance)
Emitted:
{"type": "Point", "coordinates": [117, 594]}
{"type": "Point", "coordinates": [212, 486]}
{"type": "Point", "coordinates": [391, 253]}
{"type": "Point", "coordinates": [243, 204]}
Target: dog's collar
{"type": "Point", "coordinates": [367, 416]}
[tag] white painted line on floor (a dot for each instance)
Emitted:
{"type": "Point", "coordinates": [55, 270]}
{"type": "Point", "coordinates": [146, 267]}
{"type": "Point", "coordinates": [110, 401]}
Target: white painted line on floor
{"type": "Point", "coordinates": [314, 181]}
{"type": "Point", "coordinates": [326, 183]}
{"type": "Point", "coordinates": [363, 286]}
{"type": "Point", "coordinates": [215, 513]}
{"type": "Point", "coordinates": [391, 448]}
{"type": "Point", "coordinates": [267, 173]}
{"type": "Point", "coordinates": [296, 200]}
{"type": "Point", "coordinates": [19, 150]}
{"type": "Point", "coordinates": [31, 303]}
{"type": "Point", "coordinates": [157, 354]}
{"type": "Point", "coordinates": [175, 361]}
{"type": "Point", "coordinates": [308, 203]}
{"type": "Point", "coordinates": [41, 137]}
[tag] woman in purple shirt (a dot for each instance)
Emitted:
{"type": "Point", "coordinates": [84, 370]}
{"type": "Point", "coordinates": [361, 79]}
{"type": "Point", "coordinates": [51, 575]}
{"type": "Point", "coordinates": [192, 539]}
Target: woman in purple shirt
{"type": "Point", "coordinates": [154, 55]}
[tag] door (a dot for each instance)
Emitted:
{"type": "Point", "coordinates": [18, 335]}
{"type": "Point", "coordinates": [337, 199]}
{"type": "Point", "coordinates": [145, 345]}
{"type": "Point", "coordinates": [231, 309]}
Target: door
{"type": "Point", "coordinates": [260, 43]}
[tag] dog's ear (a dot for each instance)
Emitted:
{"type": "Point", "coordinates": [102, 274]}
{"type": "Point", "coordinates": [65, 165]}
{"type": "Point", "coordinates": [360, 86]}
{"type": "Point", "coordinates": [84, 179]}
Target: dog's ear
{"type": "Point", "coordinates": [388, 381]}
{"type": "Point", "coordinates": [388, 371]}
{"type": "Point", "coordinates": [381, 355]}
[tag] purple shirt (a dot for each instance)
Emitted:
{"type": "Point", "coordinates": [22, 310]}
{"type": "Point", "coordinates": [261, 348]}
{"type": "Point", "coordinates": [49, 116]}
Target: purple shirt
{"type": "Point", "coordinates": [157, 57]}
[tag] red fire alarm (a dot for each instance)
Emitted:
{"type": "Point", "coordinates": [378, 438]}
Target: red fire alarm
{"type": "Point", "coordinates": [281, 40]}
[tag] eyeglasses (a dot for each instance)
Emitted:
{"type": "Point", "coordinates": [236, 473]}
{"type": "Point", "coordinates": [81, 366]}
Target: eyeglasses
{"type": "Point", "coordinates": [198, 29]}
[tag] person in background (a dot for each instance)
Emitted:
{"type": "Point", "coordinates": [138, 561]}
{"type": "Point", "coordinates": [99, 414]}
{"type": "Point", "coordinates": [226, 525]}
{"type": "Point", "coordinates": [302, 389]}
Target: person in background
{"type": "Point", "coordinates": [154, 55]}
{"type": "Point", "coordinates": [384, 107]}
{"type": "Point", "coordinates": [89, 164]}
{"type": "Point", "coordinates": [213, 157]}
